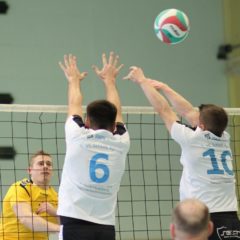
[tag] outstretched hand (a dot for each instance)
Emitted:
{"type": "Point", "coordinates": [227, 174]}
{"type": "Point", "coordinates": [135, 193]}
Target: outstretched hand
{"type": "Point", "coordinates": [136, 75]}
{"type": "Point", "coordinates": [110, 68]}
{"type": "Point", "coordinates": [70, 68]}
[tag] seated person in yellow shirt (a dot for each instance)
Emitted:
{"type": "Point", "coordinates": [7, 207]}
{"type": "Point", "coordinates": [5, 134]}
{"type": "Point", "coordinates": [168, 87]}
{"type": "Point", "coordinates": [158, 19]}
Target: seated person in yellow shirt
{"type": "Point", "coordinates": [29, 207]}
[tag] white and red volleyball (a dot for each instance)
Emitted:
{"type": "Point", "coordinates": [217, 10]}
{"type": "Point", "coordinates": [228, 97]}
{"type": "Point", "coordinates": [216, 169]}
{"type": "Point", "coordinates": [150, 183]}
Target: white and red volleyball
{"type": "Point", "coordinates": [171, 26]}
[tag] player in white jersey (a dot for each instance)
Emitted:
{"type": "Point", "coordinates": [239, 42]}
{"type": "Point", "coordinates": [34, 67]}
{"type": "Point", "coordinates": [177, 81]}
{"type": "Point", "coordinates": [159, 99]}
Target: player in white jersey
{"type": "Point", "coordinates": [95, 156]}
{"type": "Point", "coordinates": [206, 155]}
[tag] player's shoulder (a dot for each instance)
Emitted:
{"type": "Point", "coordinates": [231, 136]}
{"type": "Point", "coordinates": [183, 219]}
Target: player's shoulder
{"type": "Point", "coordinates": [23, 183]}
{"type": "Point", "coordinates": [226, 135]}
{"type": "Point", "coordinates": [78, 120]}
{"type": "Point", "coordinates": [75, 119]}
{"type": "Point", "coordinates": [185, 125]}
{"type": "Point", "coordinates": [183, 133]}
{"type": "Point", "coordinates": [120, 128]}
{"type": "Point", "coordinates": [180, 127]}
{"type": "Point", "coordinates": [20, 186]}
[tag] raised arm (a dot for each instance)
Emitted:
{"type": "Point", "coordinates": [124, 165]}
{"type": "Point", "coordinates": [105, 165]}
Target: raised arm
{"type": "Point", "coordinates": [31, 220]}
{"type": "Point", "coordinates": [74, 77]}
{"type": "Point", "coordinates": [108, 75]}
{"type": "Point", "coordinates": [179, 103]}
{"type": "Point", "coordinates": [159, 103]}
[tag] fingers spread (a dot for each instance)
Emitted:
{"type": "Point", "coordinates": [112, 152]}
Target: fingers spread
{"type": "Point", "coordinates": [133, 68]}
{"type": "Point", "coordinates": [62, 66]}
{"type": "Point", "coordinates": [127, 77]}
{"type": "Point", "coordinates": [111, 58]}
{"type": "Point", "coordinates": [84, 74]}
{"type": "Point", "coordinates": [104, 59]}
{"type": "Point", "coordinates": [95, 68]}
{"type": "Point", "coordinates": [115, 62]}
{"type": "Point", "coordinates": [120, 67]}
{"type": "Point", "coordinates": [66, 61]}
{"type": "Point", "coordinates": [70, 59]}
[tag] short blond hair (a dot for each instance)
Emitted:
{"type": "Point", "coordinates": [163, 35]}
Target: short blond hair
{"type": "Point", "coordinates": [191, 216]}
{"type": "Point", "coordinates": [38, 153]}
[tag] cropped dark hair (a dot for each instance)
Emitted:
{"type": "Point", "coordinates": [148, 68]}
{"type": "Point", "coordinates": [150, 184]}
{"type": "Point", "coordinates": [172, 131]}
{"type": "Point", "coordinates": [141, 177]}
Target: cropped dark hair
{"type": "Point", "coordinates": [102, 114]}
{"type": "Point", "coordinates": [214, 118]}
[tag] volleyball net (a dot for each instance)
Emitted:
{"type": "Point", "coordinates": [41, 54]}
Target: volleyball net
{"type": "Point", "coordinates": [149, 188]}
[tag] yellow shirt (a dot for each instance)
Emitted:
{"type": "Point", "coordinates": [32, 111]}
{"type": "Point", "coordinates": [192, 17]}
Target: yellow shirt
{"type": "Point", "coordinates": [25, 191]}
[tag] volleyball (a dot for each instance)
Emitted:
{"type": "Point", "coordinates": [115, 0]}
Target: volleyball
{"type": "Point", "coordinates": [171, 26]}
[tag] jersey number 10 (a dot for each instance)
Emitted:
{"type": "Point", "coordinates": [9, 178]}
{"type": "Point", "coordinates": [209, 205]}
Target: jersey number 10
{"type": "Point", "coordinates": [216, 169]}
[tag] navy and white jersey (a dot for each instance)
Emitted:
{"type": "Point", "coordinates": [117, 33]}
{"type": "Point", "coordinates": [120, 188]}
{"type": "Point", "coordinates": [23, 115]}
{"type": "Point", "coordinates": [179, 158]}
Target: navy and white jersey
{"type": "Point", "coordinates": [207, 168]}
{"type": "Point", "coordinates": [93, 167]}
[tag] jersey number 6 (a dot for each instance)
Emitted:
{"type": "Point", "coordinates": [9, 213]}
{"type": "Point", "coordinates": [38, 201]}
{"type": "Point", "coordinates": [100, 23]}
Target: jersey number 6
{"type": "Point", "coordinates": [97, 169]}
